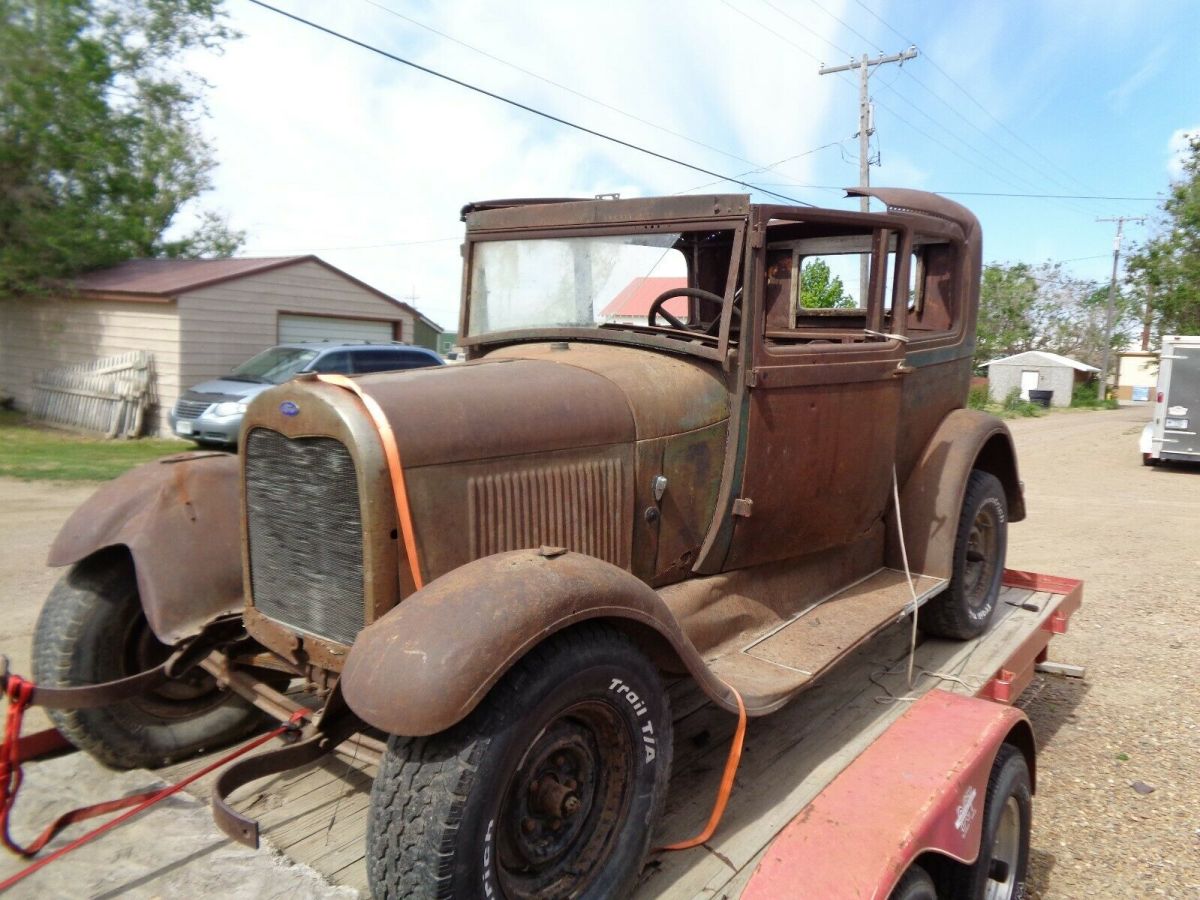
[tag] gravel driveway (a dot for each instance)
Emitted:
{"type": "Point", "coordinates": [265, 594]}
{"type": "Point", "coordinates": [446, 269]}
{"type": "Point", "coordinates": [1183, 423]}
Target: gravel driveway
{"type": "Point", "coordinates": [1132, 533]}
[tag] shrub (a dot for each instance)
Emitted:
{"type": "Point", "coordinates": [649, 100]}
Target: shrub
{"type": "Point", "coordinates": [977, 397]}
{"type": "Point", "coordinates": [1014, 406]}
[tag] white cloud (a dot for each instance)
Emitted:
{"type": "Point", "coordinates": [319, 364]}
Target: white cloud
{"type": "Point", "coordinates": [325, 145]}
{"type": "Point", "coordinates": [1177, 147]}
{"type": "Point", "coordinates": [1119, 96]}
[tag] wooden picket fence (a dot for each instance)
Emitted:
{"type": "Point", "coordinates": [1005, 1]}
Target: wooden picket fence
{"type": "Point", "coordinates": [107, 395]}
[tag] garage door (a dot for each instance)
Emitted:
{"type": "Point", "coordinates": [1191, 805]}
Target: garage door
{"type": "Point", "coordinates": [294, 328]}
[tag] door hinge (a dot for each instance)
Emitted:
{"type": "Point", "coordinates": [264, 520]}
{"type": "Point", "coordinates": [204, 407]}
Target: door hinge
{"type": "Point", "coordinates": [743, 506]}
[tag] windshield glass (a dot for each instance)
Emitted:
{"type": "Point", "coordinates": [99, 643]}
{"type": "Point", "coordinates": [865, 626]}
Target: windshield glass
{"type": "Point", "coordinates": [585, 282]}
{"type": "Point", "coordinates": [276, 365]}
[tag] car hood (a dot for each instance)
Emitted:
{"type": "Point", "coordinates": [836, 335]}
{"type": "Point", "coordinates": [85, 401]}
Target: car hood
{"type": "Point", "coordinates": [224, 389]}
{"type": "Point", "coordinates": [537, 398]}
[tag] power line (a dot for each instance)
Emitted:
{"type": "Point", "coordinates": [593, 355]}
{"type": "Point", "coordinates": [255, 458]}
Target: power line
{"type": "Point", "coordinates": [826, 187]}
{"type": "Point", "coordinates": [570, 90]}
{"type": "Point", "coordinates": [971, 97]}
{"type": "Point", "coordinates": [517, 104]}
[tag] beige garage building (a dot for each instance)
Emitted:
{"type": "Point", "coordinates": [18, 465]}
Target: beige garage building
{"type": "Point", "coordinates": [198, 318]}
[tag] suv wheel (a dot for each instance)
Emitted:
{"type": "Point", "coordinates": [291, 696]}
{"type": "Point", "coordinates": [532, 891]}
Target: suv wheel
{"type": "Point", "coordinates": [965, 609]}
{"type": "Point", "coordinates": [550, 788]}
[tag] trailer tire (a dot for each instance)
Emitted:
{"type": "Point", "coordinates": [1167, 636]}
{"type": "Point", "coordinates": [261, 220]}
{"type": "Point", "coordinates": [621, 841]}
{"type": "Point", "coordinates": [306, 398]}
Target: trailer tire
{"type": "Point", "coordinates": [549, 788]}
{"type": "Point", "coordinates": [1148, 460]}
{"type": "Point", "coordinates": [1003, 864]}
{"type": "Point", "coordinates": [92, 629]}
{"type": "Point", "coordinates": [914, 885]}
{"type": "Point", "coordinates": [965, 609]}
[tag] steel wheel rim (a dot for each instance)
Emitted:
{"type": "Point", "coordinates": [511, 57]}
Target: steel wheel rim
{"type": "Point", "coordinates": [1005, 853]}
{"type": "Point", "coordinates": [177, 698]}
{"type": "Point", "coordinates": [560, 814]}
{"type": "Point", "coordinates": [979, 564]}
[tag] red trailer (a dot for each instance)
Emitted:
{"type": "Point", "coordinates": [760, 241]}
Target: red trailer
{"type": "Point", "coordinates": [870, 788]}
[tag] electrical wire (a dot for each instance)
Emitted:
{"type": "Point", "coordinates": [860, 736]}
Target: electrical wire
{"type": "Point", "coordinates": [518, 105]}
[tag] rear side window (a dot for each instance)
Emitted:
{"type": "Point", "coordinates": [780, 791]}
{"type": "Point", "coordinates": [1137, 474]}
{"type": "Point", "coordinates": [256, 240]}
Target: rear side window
{"type": "Point", "coordinates": [383, 359]}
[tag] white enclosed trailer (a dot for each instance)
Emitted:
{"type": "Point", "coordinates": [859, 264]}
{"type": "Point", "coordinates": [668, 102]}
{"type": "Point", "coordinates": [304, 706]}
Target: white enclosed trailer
{"type": "Point", "coordinates": [1174, 432]}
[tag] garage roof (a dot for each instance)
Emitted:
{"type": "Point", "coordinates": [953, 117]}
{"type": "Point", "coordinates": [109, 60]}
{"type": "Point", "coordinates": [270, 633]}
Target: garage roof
{"type": "Point", "coordinates": [1042, 358]}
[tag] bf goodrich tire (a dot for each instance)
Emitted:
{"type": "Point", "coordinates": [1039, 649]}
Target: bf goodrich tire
{"type": "Point", "coordinates": [1002, 868]}
{"type": "Point", "coordinates": [548, 789]}
{"type": "Point", "coordinates": [965, 609]}
{"type": "Point", "coordinates": [91, 630]}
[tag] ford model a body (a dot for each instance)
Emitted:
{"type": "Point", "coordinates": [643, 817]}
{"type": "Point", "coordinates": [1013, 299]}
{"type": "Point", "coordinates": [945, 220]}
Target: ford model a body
{"type": "Point", "coordinates": [685, 423]}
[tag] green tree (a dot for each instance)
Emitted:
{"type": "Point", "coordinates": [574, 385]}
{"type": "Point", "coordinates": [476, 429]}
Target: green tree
{"type": "Point", "coordinates": [1165, 271]}
{"type": "Point", "coordinates": [1007, 297]}
{"type": "Point", "coordinates": [820, 288]}
{"type": "Point", "coordinates": [100, 147]}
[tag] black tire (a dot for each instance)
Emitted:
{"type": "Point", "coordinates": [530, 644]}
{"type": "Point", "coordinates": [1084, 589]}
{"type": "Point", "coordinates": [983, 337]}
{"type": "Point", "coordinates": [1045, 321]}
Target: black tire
{"type": "Point", "coordinates": [92, 629]}
{"type": "Point", "coordinates": [914, 885]}
{"type": "Point", "coordinates": [1002, 869]}
{"type": "Point", "coordinates": [1148, 460]}
{"type": "Point", "coordinates": [485, 808]}
{"type": "Point", "coordinates": [965, 609]}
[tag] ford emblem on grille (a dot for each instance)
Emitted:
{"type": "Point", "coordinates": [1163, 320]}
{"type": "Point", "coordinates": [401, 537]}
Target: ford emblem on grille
{"type": "Point", "coordinates": [288, 408]}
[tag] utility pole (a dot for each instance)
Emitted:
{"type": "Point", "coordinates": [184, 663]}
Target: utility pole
{"type": "Point", "coordinates": [1112, 292]}
{"type": "Point", "coordinates": [865, 129]}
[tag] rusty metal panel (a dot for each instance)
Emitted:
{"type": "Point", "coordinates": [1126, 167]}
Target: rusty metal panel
{"type": "Point", "coordinates": [692, 465]}
{"type": "Point", "coordinates": [924, 782]}
{"type": "Point", "coordinates": [583, 507]}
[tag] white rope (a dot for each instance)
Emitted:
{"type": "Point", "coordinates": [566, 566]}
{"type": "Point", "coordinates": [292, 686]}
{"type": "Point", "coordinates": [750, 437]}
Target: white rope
{"type": "Point", "coordinates": [912, 589]}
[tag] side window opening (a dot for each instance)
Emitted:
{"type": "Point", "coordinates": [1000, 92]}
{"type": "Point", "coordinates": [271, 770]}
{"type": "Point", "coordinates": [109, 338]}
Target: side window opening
{"type": "Point", "coordinates": [338, 361]}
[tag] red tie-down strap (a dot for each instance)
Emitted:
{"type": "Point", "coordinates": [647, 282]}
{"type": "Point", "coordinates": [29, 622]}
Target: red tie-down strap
{"type": "Point", "coordinates": [19, 693]}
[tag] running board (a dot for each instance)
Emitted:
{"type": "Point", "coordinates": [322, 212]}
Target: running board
{"type": "Point", "coordinates": [771, 667]}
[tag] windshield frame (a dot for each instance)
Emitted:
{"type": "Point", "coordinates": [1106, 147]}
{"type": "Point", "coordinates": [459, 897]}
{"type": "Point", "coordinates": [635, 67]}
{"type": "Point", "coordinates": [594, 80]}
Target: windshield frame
{"type": "Point", "coordinates": [659, 337]}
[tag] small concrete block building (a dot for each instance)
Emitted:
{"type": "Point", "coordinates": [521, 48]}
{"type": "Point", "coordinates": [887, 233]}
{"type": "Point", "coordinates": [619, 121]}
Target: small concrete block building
{"type": "Point", "coordinates": [197, 317]}
{"type": "Point", "coordinates": [1037, 370]}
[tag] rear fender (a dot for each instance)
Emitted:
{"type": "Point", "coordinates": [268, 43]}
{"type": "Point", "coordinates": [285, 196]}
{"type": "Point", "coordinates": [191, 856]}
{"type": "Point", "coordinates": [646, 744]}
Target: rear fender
{"type": "Point", "coordinates": [178, 517]}
{"type": "Point", "coordinates": [931, 499]}
{"type": "Point", "coordinates": [919, 790]}
{"type": "Point", "coordinates": [428, 662]}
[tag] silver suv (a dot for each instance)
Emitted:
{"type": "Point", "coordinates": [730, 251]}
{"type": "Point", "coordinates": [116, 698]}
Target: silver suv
{"type": "Point", "coordinates": [210, 413]}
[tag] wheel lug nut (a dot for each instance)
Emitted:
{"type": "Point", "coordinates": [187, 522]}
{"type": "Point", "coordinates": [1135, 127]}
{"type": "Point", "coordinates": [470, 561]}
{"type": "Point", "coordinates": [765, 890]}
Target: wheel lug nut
{"type": "Point", "coordinates": [555, 824]}
{"type": "Point", "coordinates": [570, 784]}
{"type": "Point", "coordinates": [528, 826]}
{"type": "Point", "coordinates": [571, 805]}
{"type": "Point", "coordinates": [560, 760]}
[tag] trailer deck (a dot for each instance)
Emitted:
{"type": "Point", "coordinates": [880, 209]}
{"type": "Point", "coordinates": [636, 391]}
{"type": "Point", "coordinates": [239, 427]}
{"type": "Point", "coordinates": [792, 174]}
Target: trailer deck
{"type": "Point", "coordinates": [317, 814]}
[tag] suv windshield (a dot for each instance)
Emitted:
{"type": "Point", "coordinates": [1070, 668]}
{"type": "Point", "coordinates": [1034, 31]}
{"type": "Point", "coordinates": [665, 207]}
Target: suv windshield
{"type": "Point", "coordinates": [586, 282]}
{"type": "Point", "coordinates": [275, 366]}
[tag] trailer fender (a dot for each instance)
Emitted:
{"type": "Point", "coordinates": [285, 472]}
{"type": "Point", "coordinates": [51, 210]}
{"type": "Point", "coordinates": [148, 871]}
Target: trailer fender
{"type": "Point", "coordinates": [178, 517]}
{"type": "Point", "coordinates": [426, 663]}
{"type": "Point", "coordinates": [918, 789]}
{"type": "Point", "coordinates": [1146, 439]}
{"type": "Point", "coordinates": [931, 499]}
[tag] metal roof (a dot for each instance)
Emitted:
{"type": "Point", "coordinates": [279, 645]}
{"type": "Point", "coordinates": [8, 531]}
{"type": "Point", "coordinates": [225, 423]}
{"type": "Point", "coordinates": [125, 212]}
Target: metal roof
{"type": "Point", "coordinates": [176, 276]}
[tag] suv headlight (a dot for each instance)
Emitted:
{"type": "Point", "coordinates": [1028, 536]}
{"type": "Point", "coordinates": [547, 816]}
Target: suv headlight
{"type": "Point", "coordinates": [229, 408]}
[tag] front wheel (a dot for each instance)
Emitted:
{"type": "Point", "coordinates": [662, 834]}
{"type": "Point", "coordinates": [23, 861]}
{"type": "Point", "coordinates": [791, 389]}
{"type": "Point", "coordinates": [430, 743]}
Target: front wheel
{"type": "Point", "coordinates": [548, 789]}
{"type": "Point", "coordinates": [92, 630]}
{"type": "Point", "coordinates": [965, 609]}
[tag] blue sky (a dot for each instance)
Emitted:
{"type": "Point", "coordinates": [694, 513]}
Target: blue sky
{"type": "Point", "coordinates": [326, 148]}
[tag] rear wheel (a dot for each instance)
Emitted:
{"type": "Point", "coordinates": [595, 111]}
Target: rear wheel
{"type": "Point", "coordinates": [965, 609]}
{"type": "Point", "coordinates": [548, 789]}
{"type": "Point", "coordinates": [91, 630]}
{"type": "Point", "coordinates": [1001, 870]}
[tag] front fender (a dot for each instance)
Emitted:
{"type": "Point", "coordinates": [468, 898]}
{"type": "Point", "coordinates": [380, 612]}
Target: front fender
{"type": "Point", "coordinates": [931, 499]}
{"type": "Point", "coordinates": [425, 665]}
{"type": "Point", "coordinates": [179, 518]}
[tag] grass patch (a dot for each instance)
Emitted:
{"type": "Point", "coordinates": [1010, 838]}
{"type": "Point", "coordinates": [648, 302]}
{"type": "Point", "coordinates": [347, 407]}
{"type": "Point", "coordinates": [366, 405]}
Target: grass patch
{"type": "Point", "coordinates": [33, 452]}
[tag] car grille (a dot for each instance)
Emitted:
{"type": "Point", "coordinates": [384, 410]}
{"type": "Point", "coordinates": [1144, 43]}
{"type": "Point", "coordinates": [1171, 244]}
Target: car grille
{"type": "Point", "coordinates": [191, 409]}
{"type": "Point", "coordinates": [305, 532]}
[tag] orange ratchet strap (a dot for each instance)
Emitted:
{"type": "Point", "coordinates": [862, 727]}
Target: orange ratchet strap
{"type": "Point", "coordinates": [731, 767]}
{"type": "Point", "coordinates": [392, 452]}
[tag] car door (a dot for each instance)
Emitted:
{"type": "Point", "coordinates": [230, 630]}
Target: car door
{"type": "Point", "coordinates": [825, 392]}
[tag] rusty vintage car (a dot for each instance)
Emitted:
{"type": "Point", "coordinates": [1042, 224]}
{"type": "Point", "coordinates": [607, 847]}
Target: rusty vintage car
{"type": "Point", "coordinates": [694, 436]}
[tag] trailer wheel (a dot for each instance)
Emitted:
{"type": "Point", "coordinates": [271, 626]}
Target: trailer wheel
{"type": "Point", "coordinates": [914, 885]}
{"type": "Point", "coordinates": [549, 788]}
{"type": "Point", "coordinates": [1003, 864]}
{"type": "Point", "coordinates": [1148, 460]}
{"type": "Point", "coordinates": [965, 609]}
{"type": "Point", "coordinates": [92, 629]}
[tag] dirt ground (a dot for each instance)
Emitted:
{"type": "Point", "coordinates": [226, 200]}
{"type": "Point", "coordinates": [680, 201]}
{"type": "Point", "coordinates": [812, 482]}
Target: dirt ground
{"type": "Point", "coordinates": [1131, 533]}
